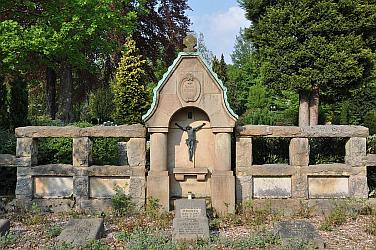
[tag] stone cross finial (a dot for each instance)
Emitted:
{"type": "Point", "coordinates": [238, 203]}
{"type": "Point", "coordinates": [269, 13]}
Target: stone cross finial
{"type": "Point", "coordinates": [190, 42]}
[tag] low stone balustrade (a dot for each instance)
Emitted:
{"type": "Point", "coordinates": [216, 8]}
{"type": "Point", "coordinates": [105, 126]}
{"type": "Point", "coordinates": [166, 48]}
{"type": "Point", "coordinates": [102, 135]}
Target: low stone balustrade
{"type": "Point", "coordinates": [298, 179]}
{"type": "Point", "coordinates": [86, 185]}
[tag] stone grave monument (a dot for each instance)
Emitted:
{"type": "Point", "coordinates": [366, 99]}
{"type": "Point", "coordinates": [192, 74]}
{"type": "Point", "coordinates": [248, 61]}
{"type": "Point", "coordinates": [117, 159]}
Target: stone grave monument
{"type": "Point", "coordinates": [190, 220]}
{"type": "Point", "coordinates": [190, 124]}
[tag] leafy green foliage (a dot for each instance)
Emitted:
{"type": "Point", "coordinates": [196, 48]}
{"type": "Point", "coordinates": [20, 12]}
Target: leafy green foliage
{"type": "Point", "coordinates": [101, 105]}
{"type": "Point", "coordinates": [270, 150]}
{"type": "Point", "coordinates": [4, 120]}
{"type": "Point", "coordinates": [302, 45]}
{"type": "Point", "coordinates": [327, 150]}
{"type": "Point", "coordinates": [7, 142]}
{"type": "Point", "coordinates": [131, 95]}
{"type": "Point", "coordinates": [54, 231]}
{"type": "Point", "coordinates": [122, 202]}
{"type": "Point", "coordinates": [55, 150]}
{"type": "Point", "coordinates": [370, 121]}
{"type": "Point", "coordinates": [6, 241]}
{"type": "Point", "coordinates": [105, 151]}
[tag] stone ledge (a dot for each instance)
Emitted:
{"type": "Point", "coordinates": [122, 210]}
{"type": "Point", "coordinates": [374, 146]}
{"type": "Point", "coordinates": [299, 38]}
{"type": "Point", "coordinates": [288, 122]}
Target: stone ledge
{"type": "Point", "coordinates": [136, 130]}
{"type": "Point", "coordinates": [7, 160]}
{"type": "Point", "coordinates": [69, 170]}
{"type": "Point", "coordinates": [293, 132]}
{"type": "Point", "coordinates": [200, 173]}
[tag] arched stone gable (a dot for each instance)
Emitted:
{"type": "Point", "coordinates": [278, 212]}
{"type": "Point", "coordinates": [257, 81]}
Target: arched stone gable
{"type": "Point", "coordinates": [190, 82]}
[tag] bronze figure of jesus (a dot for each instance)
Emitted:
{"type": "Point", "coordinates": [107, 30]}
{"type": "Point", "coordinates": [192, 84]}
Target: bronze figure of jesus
{"type": "Point", "coordinates": [191, 138]}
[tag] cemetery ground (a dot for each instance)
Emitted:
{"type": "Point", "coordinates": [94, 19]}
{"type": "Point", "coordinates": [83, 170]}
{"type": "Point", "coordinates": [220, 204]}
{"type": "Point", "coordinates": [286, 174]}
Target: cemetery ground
{"type": "Point", "coordinates": [350, 225]}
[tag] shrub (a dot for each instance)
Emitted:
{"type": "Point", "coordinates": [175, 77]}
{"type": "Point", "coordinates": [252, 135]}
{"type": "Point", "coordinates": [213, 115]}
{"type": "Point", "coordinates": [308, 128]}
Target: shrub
{"type": "Point", "coordinates": [101, 105]}
{"type": "Point", "coordinates": [55, 150]}
{"type": "Point", "coordinates": [371, 227]}
{"type": "Point", "coordinates": [54, 231]}
{"type": "Point", "coordinates": [7, 240]}
{"type": "Point", "coordinates": [105, 151]}
{"type": "Point", "coordinates": [7, 142]}
{"type": "Point", "coordinates": [327, 150]}
{"type": "Point", "coordinates": [122, 203]}
{"type": "Point", "coordinates": [270, 150]}
{"type": "Point", "coordinates": [370, 121]}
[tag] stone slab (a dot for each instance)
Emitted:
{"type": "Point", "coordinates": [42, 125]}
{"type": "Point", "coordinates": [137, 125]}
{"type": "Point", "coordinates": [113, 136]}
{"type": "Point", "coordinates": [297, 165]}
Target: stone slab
{"type": "Point", "coordinates": [371, 160]}
{"type": "Point", "coordinates": [300, 230]}
{"type": "Point", "coordinates": [272, 187]}
{"type": "Point", "coordinates": [79, 231]}
{"type": "Point", "coordinates": [315, 131]}
{"type": "Point", "coordinates": [53, 187]}
{"type": "Point", "coordinates": [190, 229]}
{"type": "Point", "coordinates": [4, 227]}
{"type": "Point", "coordinates": [101, 187]}
{"type": "Point", "coordinates": [7, 160]}
{"type": "Point", "coordinates": [328, 187]}
{"type": "Point", "coordinates": [190, 220]}
{"type": "Point", "coordinates": [190, 208]}
{"type": "Point", "coordinates": [136, 130]}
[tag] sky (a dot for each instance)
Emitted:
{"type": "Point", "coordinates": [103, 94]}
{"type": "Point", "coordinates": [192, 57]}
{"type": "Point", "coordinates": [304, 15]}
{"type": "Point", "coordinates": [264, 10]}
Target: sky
{"type": "Point", "coordinates": [220, 22]}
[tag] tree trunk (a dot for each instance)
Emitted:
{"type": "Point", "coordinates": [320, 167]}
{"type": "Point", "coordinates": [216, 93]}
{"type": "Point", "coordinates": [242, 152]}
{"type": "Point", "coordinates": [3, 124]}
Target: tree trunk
{"type": "Point", "coordinates": [67, 91]}
{"type": "Point", "coordinates": [51, 92]}
{"type": "Point", "coordinates": [314, 107]}
{"type": "Point", "coordinates": [303, 110]}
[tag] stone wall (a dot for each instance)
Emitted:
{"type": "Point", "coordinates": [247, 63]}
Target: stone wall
{"type": "Point", "coordinates": [298, 179]}
{"type": "Point", "coordinates": [80, 184]}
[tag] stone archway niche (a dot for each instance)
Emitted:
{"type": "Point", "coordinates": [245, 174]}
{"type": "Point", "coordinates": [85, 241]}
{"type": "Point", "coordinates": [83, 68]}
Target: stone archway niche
{"type": "Point", "coordinates": [191, 94]}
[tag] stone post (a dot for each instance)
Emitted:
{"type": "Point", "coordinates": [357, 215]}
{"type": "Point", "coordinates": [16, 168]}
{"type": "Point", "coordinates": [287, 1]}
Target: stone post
{"type": "Point", "coordinates": [356, 149]}
{"type": "Point", "coordinates": [27, 151]}
{"type": "Point", "coordinates": [82, 152]}
{"type": "Point", "coordinates": [244, 156]}
{"type": "Point", "coordinates": [299, 152]}
{"type": "Point", "coordinates": [222, 179]}
{"type": "Point", "coordinates": [136, 152]}
{"type": "Point", "coordinates": [158, 182]}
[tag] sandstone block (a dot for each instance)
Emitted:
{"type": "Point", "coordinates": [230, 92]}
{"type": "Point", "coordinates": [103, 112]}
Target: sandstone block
{"type": "Point", "coordinates": [81, 231]}
{"type": "Point", "coordinates": [4, 226]}
{"type": "Point", "coordinates": [223, 193]}
{"type": "Point", "coordinates": [104, 187]}
{"type": "Point", "coordinates": [53, 187]}
{"type": "Point", "coordinates": [24, 187]}
{"type": "Point", "coordinates": [328, 187]}
{"type": "Point", "coordinates": [271, 187]}
{"type": "Point", "coordinates": [299, 152]}
{"type": "Point", "coordinates": [243, 152]}
{"type": "Point", "coordinates": [7, 160]}
{"type": "Point", "coordinates": [356, 148]}
{"type": "Point", "coordinates": [81, 187]}
{"type": "Point", "coordinates": [82, 152]}
{"type": "Point", "coordinates": [123, 158]}
{"type": "Point", "coordinates": [158, 187]}
{"type": "Point", "coordinates": [243, 188]}
{"type": "Point", "coordinates": [358, 186]}
{"type": "Point", "coordinates": [27, 148]}
{"type": "Point", "coordinates": [137, 191]}
{"type": "Point", "coordinates": [136, 152]}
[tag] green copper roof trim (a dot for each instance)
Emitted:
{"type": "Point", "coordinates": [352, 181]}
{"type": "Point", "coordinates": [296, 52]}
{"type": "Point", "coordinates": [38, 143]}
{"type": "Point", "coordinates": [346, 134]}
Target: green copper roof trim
{"type": "Point", "coordinates": [168, 74]}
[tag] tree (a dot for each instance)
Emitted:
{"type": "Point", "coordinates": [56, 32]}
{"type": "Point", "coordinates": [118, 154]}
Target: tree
{"type": "Point", "coordinates": [316, 48]}
{"type": "Point", "coordinates": [203, 50]}
{"type": "Point", "coordinates": [18, 106]}
{"type": "Point", "coordinates": [129, 87]}
{"type": "Point", "coordinates": [4, 120]}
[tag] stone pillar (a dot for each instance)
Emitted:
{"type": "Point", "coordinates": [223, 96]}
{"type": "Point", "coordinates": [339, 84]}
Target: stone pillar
{"type": "Point", "coordinates": [244, 156]}
{"type": "Point", "coordinates": [222, 179]}
{"type": "Point", "coordinates": [136, 152]}
{"type": "Point", "coordinates": [356, 149]}
{"type": "Point", "coordinates": [158, 182]}
{"type": "Point", "coordinates": [299, 152]}
{"type": "Point", "coordinates": [80, 189]}
{"type": "Point", "coordinates": [222, 152]}
{"type": "Point", "coordinates": [82, 152]}
{"type": "Point", "coordinates": [27, 151]}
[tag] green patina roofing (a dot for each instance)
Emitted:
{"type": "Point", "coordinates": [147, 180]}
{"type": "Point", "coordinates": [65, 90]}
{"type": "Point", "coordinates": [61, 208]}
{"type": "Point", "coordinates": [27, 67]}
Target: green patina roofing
{"type": "Point", "coordinates": [171, 69]}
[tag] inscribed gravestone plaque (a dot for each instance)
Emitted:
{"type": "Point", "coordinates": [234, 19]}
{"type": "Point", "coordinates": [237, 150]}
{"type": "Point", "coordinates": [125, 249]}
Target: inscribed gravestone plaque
{"type": "Point", "coordinates": [190, 220]}
{"type": "Point", "coordinates": [298, 230]}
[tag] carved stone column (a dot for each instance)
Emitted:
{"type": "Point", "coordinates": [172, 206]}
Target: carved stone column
{"type": "Point", "coordinates": [158, 182]}
{"type": "Point", "coordinates": [222, 179]}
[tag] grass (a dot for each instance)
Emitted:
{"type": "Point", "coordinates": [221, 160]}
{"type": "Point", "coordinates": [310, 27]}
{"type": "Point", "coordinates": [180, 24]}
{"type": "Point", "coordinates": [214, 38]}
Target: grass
{"type": "Point", "coordinates": [7, 240]}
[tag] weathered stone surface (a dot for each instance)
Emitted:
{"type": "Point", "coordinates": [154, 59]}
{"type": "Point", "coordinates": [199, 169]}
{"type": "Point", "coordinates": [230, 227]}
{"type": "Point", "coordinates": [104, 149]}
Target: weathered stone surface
{"type": "Point", "coordinates": [328, 187]}
{"type": "Point", "coordinates": [223, 193]}
{"type": "Point", "coordinates": [101, 187]}
{"type": "Point", "coordinates": [137, 190]}
{"type": "Point", "coordinates": [136, 130]}
{"type": "Point", "coordinates": [53, 187]}
{"type": "Point", "coordinates": [27, 148]}
{"type": "Point", "coordinates": [82, 156]}
{"type": "Point", "coordinates": [371, 160]}
{"type": "Point", "coordinates": [358, 186]}
{"type": "Point", "coordinates": [299, 152]}
{"type": "Point", "coordinates": [315, 131]}
{"type": "Point", "coordinates": [80, 231]}
{"type": "Point", "coordinates": [271, 187]}
{"type": "Point", "coordinates": [4, 226]}
{"type": "Point", "coordinates": [356, 151]}
{"type": "Point", "coordinates": [222, 152]}
{"type": "Point", "coordinates": [136, 152]}
{"type": "Point", "coordinates": [190, 208]}
{"type": "Point", "coordinates": [298, 230]}
{"type": "Point", "coordinates": [24, 187]}
{"type": "Point", "coordinates": [243, 152]}
{"type": "Point", "coordinates": [7, 160]}
{"type": "Point", "coordinates": [190, 220]}
{"type": "Point", "coordinates": [158, 186]}
{"type": "Point", "coordinates": [243, 188]}
{"type": "Point", "coordinates": [81, 187]}
{"type": "Point", "coordinates": [122, 149]}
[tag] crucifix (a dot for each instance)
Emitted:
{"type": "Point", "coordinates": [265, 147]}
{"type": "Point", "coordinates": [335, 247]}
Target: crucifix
{"type": "Point", "coordinates": [191, 141]}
